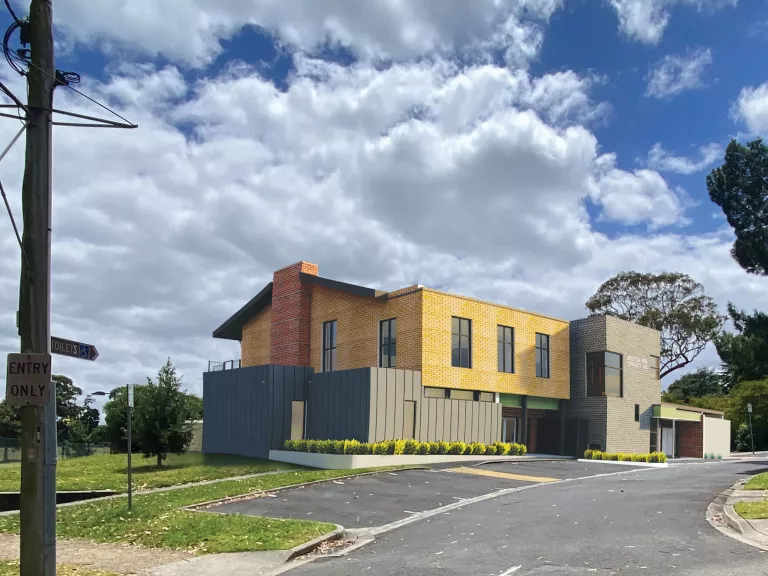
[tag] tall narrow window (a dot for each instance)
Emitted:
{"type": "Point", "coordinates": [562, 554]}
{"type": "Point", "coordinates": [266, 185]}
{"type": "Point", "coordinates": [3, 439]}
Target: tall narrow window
{"type": "Point", "coordinates": [388, 343]}
{"type": "Point", "coordinates": [542, 356]}
{"type": "Point", "coordinates": [604, 374]}
{"type": "Point", "coordinates": [461, 342]}
{"type": "Point", "coordinates": [329, 346]}
{"type": "Point", "coordinates": [637, 412]}
{"type": "Point", "coordinates": [506, 348]}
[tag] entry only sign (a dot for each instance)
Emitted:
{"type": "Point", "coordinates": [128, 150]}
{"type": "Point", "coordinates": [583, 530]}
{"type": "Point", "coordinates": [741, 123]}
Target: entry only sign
{"type": "Point", "coordinates": [28, 379]}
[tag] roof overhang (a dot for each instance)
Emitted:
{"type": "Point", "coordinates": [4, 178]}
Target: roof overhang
{"type": "Point", "coordinates": [352, 289]}
{"type": "Point", "coordinates": [232, 329]}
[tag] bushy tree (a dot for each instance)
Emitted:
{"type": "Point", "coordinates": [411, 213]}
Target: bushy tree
{"type": "Point", "coordinates": [755, 393]}
{"type": "Point", "coordinates": [740, 188]}
{"type": "Point", "coordinates": [745, 355]}
{"type": "Point", "coordinates": [163, 416]}
{"type": "Point", "coordinates": [195, 406]}
{"type": "Point", "coordinates": [703, 382]}
{"type": "Point", "coordinates": [10, 425]}
{"type": "Point", "coordinates": [671, 303]}
{"type": "Point", "coordinates": [115, 416]}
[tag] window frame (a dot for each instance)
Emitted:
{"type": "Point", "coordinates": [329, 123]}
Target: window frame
{"type": "Point", "coordinates": [600, 369]}
{"type": "Point", "coordinates": [462, 337]}
{"type": "Point", "coordinates": [392, 335]}
{"type": "Point", "coordinates": [501, 345]}
{"type": "Point", "coordinates": [330, 353]}
{"type": "Point", "coordinates": [545, 351]}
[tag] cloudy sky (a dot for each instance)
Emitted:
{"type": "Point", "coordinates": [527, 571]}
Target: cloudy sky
{"type": "Point", "coordinates": [520, 151]}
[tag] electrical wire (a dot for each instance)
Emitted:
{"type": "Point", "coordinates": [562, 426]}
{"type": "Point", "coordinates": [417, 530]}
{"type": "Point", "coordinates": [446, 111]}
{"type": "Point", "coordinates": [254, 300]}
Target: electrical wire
{"type": "Point", "coordinates": [10, 215]}
{"type": "Point", "coordinates": [13, 14]}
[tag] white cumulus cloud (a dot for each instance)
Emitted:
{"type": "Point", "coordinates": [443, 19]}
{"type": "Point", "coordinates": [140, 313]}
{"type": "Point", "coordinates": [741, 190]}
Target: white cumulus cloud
{"type": "Point", "coordinates": [646, 20]}
{"type": "Point", "coordinates": [751, 107]}
{"type": "Point", "coordinates": [665, 161]}
{"type": "Point", "coordinates": [676, 73]}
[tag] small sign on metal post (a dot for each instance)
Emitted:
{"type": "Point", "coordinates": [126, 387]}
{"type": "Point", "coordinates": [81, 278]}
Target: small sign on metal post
{"type": "Point", "coordinates": [749, 407]}
{"type": "Point", "coordinates": [130, 395]}
{"type": "Point", "coordinates": [28, 379]}
{"type": "Point", "coordinates": [74, 349]}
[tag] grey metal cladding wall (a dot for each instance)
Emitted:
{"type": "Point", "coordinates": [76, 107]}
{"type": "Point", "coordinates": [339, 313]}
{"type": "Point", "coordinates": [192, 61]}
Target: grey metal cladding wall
{"type": "Point", "coordinates": [436, 418]}
{"type": "Point", "coordinates": [338, 405]}
{"type": "Point", "coordinates": [248, 410]}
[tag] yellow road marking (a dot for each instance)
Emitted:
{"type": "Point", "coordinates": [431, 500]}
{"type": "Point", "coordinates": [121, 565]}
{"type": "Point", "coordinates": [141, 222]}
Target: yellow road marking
{"type": "Point", "coordinates": [495, 474]}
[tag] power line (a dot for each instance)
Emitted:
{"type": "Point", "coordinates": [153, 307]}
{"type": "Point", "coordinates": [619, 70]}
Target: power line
{"type": "Point", "coordinates": [13, 14]}
{"type": "Point", "coordinates": [10, 215]}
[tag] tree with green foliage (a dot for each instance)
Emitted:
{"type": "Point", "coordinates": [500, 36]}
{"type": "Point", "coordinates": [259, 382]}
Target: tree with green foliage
{"type": "Point", "coordinates": [67, 408]}
{"type": "Point", "coordinates": [698, 384]}
{"type": "Point", "coordinates": [755, 393]}
{"type": "Point", "coordinates": [740, 188]}
{"type": "Point", "coordinates": [10, 425]}
{"type": "Point", "coordinates": [745, 355]}
{"type": "Point", "coordinates": [670, 302]}
{"type": "Point", "coordinates": [115, 416]}
{"type": "Point", "coordinates": [195, 406]}
{"type": "Point", "coordinates": [163, 416]}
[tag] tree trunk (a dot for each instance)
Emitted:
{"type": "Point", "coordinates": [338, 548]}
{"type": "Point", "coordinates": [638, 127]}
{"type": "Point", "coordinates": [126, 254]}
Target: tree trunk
{"type": "Point", "coordinates": [159, 460]}
{"type": "Point", "coordinates": [5, 453]}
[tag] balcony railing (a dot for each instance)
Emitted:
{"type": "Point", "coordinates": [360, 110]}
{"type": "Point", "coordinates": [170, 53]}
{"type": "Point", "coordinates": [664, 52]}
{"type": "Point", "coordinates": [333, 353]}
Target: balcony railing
{"type": "Point", "coordinates": [227, 365]}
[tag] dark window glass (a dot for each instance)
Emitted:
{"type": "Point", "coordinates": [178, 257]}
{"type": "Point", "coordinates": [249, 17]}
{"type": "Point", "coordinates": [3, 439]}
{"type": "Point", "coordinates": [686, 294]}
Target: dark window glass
{"type": "Point", "coordinates": [329, 346]}
{"type": "Point", "coordinates": [604, 374]}
{"type": "Point", "coordinates": [637, 412]}
{"type": "Point", "coordinates": [388, 343]}
{"type": "Point", "coordinates": [542, 356]}
{"type": "Point", "coordinates": [506, 349]}
{"type": "Point", "coordinates": [461, 343]}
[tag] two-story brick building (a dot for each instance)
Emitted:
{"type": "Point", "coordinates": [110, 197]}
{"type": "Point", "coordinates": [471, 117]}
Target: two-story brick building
{"type": "Point", "coordinates": [421, 363]}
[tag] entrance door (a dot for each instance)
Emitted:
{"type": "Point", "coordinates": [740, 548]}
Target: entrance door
{"type": "Point", "coordinates": [668, 441]}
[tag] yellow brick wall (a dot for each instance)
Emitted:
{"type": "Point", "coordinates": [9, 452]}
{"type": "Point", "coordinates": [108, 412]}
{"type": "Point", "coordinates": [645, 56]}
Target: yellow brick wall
{"type": "Point", "coordinates": [254, 347]}
{"type": "Point", "coordinates": [357, 328]}
{"type": "Point", "coordinates": [438, 308]}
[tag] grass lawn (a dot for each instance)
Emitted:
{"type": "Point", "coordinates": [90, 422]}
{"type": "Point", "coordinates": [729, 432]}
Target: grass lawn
{"type": "Point", "coordinates": [156, 520]}
{"type": "Point", "coordinates": [759, 482]}
{"type": "Point", "coordinates": [109, 472]}
{"type": "Point", "coordinates": [752, 510]}
{"type": "Point", "coordinates": [12, 569]}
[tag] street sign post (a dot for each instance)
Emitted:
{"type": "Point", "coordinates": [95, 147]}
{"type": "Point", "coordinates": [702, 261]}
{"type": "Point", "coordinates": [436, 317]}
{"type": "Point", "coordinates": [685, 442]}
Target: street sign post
{"type": "Point", "coordinates": [130, 395]}
{"type": "Point", "coordinates": [751, 434]}
{"type": "Point", "coordinates": [28, 379]}
{"type": "Point", "coordinates": [73, 349]}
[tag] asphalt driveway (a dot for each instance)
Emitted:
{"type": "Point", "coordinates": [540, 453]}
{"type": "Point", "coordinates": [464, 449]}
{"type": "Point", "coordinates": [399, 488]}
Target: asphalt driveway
{"type": "Point", "coordinates": [379, 499]}
{"type": "Point", "coordinates": [368, 501]}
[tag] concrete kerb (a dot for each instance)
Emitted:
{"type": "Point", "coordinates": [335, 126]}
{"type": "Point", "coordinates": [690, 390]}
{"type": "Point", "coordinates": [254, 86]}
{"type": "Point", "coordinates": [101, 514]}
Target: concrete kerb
{"type": "Point", "coordinates": [732, 524]}
{"type": "Point", "coordinates": [617, 462]}
{"type": "Point", "coordinates": [166, 489]}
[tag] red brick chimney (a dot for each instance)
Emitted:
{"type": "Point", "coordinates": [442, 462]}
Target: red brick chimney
{"type": "Point", "coordinates": [290, 315]}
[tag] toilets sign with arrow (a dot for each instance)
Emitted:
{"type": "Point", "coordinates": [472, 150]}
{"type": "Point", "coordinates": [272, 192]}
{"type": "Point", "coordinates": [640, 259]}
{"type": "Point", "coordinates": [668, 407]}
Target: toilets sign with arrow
{"type": "Point", "coordinates": [73, 349]}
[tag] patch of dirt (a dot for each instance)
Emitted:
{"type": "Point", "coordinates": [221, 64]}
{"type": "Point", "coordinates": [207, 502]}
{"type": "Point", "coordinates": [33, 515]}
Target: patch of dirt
{"type": "Point", "coordinates": [120, 558]}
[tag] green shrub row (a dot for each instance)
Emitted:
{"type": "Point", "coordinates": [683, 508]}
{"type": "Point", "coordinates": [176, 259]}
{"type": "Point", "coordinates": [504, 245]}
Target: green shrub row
{"type": "Point", "coordinates": [404, 447]}
{"type": "Point", "coordinates": [653, 457]}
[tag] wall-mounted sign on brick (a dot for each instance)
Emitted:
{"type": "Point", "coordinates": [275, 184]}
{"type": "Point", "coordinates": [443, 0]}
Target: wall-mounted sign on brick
{"type": "Point", "coordinates": [638, 362]}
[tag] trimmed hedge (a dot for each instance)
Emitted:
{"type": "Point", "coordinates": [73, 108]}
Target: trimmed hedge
{"type": "Point", "coordinates": [404, 447]}
{"type": "Point", "coordinates": [653, 457]}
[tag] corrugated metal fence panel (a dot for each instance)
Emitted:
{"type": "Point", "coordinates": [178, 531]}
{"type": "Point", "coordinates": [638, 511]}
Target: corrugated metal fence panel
{"type": "Point", "coordinates": [248, 410]}
{"type": "Point", "coordinates": [338, 405]}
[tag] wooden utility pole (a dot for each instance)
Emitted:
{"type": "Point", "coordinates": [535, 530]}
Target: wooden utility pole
{"type": "Point", "coordinates": [38, 423]}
